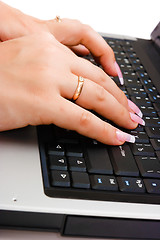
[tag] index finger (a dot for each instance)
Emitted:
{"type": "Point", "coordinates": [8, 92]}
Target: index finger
{"type": "Point", "coordinates": [72, 33]}
{"type": "Point", "coordinates": [100, 49]}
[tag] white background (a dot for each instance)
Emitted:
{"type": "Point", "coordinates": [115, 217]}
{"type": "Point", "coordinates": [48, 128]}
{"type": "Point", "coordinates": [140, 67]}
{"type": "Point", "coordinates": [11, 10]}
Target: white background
{"type": "Point", "coordinates": [133, 18]}
{"type": "Point", "coordinates": [127, 17]}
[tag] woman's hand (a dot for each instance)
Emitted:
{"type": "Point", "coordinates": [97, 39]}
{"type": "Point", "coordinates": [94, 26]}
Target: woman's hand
{"type": "Point", "coordinates": [79, 37]}
{"type": "Point", "coordinates": [38, 78]}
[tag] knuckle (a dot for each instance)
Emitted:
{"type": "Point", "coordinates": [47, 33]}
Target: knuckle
{"type": "Point", "coordinates": [86, 29]}
{"type": "Point", "coordinates": [100, 93]}
{"type": "Point", "coordinates": [85, 120]}
{"type": "Point", "coordinates": [123, 112]}
{"type": "Point", "coordinates": [101, 77]}
{"type": "Point", "coordinates": [43, 37]}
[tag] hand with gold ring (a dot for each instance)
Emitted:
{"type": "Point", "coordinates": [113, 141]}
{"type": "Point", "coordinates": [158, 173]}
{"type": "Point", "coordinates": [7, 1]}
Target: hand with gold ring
{"type": "Point", "coordinates": [39, 81]}
{"type": "Point", "coordinates": [81, 38]}
{"type": "Point", "coordinates": [77, 36]}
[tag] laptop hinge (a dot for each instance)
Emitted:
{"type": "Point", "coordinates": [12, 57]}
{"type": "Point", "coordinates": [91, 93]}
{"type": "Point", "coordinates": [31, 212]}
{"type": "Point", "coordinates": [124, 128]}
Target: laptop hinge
{"type": "Point", "coordinates": [155, 35]}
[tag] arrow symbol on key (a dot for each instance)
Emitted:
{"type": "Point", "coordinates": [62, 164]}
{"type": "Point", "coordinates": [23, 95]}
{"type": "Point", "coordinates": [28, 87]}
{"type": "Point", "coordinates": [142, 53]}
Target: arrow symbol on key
{"type": "Point", "coordinates": [61, 160]}
{"type": "Point", "coordinates": [58, 147]}
{"type": "Point", "coordinates": [63, 175]}
{"type": "Point", "coordinates": [79, 162]}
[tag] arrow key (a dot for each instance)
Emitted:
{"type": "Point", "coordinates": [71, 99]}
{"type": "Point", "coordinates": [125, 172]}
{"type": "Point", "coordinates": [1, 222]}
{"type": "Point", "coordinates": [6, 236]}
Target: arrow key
{"type": "Point", "coordinates": [60, 178]}
{"type": "Point", "coordinates": [77, 164]}
{"type": "Point", "coordinates": [56, 149]}
{"type": "Point", "coordinates": [57, 162]}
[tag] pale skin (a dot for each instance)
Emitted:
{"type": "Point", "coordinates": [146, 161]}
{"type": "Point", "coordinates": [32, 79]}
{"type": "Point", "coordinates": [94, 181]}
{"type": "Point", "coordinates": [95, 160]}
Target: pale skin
{"type": "Point", "coordinates": [39, 75]}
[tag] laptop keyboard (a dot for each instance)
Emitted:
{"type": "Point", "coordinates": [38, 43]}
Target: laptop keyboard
{"type": "Point", "coordinates": [75, 166]}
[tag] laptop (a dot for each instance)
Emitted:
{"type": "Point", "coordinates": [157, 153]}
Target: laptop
{"type": "Point", "coordinates": [57, 180]}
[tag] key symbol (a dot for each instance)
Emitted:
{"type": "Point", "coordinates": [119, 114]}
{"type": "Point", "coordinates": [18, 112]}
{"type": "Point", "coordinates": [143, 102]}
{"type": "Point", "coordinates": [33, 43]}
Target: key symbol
{"type": "Point", "coordinates": [139, 183]}
{"type": "Point", "coordinates": [127, 183]}
{"type": "Point", "coordinates": [99, 180]}
{"type": "Point", "coordinates": [154, 184]}
{"type": "Point", "coordinates": [140, 149]}
{"type": "Point", "coordinates": [122, 151]}
{"type": "Point", "coordinates": [112, 181]}
{"type": "Point", "coordinates": [63, 176]}
{"type": "Point", "coordinates": [58, 147]}
{"type": "Point", "coordinates": [61, 160]}
{"type": "Point", "coordinates": [79, 162]}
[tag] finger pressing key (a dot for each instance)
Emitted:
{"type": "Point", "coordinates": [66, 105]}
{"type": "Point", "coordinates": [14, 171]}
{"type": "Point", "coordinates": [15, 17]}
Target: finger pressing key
{"type": "Point", "coordinates": [73, 117]}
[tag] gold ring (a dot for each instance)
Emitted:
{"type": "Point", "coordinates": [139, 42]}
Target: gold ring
{"type": "Point", "coordinates": [79, 88]}
{"type": "Point", "coordinates": [58, 19]}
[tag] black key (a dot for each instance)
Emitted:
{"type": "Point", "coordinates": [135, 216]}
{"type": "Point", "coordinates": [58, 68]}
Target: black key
{"type": "Point", "coordinates": [152, 121]}
{"type": "Point", "coordinates": [150, 89]}
{"type": "Point", "coordinates": [149, 166]}
{"type": "Point", "coordinates": [60, 178]}
{"type": "Point", "coordinates": [135, 91]}
{"type": "Point", "coordinates": [132, 55]}
{"type": "Point", "coordinates": [155, 97]}
{"type": "Point", "coordinates": [140, 149]}
{"type": "Point", "coordinates": [139, 128]}
{"type": "Point", "coordinates": [138, 68]}
{"type": "Point", "coordinates": [152, 185]}
{"type": "Point", "coordinates": [128, 49]}
{"type": "Point", "coordinates": [146, 82]}
{"type": "Point", "coordinates": [102, 182]}
{"type": "Point", "coordinates": [135, 61]}
{"type": "Point", "coordinates": [80, 180]}
{"type": "Point", "coordinates": [123, 161]}
{"type": "Point", "coordinates": [74, 150]}
{"type": "Point", "coordinates": [128, 184]}
{"type": "Point", "coordinates": [139, 101]}
{"type": "Point", "coordinates": [156, 144]}
{"type": "Point", "coordinates": [141, 137]}
{"type": "Point", "coordinates": [98, 160]}
{"type": "Point", "coordinates": [148, 111]}
{"type": "Point", "coordinates": [56, 149]}
{"type": "Point", "coordinates": [142, 74]}
{"type": "Point", "coordinates": [132, 82]}
{"type": "Point", "coordinates": [153, 132]}
{"type": "Point", "coordinates": [77, 164]}
{"type": "Point", "coordinates": [57, 162]}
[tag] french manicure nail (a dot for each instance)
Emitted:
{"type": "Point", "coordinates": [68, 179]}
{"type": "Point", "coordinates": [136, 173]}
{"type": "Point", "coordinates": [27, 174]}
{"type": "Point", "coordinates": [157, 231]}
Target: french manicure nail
{"type": "Point", "coordinates": [137, 119]}
{"type": "Point", "coordinates": [135, 108]}
{"type": "Point", "coordinates": [122, 136]}
{"type": "Point", "coordinates": [120, 76]}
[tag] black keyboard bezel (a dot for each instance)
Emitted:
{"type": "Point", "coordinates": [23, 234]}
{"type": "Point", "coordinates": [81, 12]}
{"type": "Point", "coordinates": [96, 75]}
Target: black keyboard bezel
{"type": "Point", "coordinates": [90, 194]}
{"type": "Point", "coordinates": [85, 194]}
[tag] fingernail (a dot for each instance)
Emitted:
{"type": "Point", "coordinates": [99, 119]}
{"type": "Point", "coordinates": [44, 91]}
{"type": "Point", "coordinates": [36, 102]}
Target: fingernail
{"type": "Point", "coordinates": [120, 76]}
{"type": "Point", "coordinates": [122, 136]}
{"type": "Point", "coordinates": [135, 108]}
{"type": "Point", "coordinates": [137, 119]}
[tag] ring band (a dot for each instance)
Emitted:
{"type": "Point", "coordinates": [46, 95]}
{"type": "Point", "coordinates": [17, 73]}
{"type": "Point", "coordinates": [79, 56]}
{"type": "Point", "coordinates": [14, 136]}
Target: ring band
{"type": "Point", "coordinates": [58, 19]}
{"type": "Point", "coordinates": [79, 88]}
